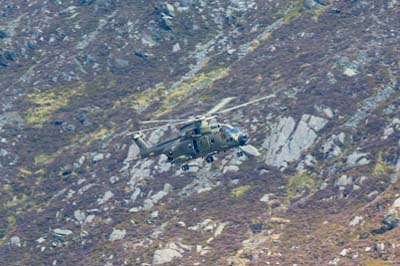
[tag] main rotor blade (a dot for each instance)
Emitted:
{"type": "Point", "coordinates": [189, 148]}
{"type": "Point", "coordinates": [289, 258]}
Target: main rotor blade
{"type": "Point", "coordinates": [220, 105]}
{"type": "Point", "coordinates": [248, 103]}
{"type": "Point", "coordinates": [213, 113]}
{"type": "Point", "coordinates": [163, 121]}
{"type": "Point", "coordinates": [145, 130]}
{"type": "Point", "coordinates": [250, 150]}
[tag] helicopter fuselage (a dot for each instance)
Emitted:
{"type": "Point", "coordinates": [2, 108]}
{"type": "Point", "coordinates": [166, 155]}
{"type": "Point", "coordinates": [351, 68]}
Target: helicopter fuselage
{"type": "Point", "coordinates": [188, 147]}
{"type": "Point", "coordinates": [200, 136]}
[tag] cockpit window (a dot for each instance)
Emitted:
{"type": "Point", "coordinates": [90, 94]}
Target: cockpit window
{"type": "Point", "coordinates": [231, 131]}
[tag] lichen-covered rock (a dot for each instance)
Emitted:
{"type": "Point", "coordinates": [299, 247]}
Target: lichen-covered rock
{"type": "Point", "coordinates": [117, 234]}
{"type": "Point", "coordinates": [106, 197]}
{"type": "Point", "coordinates": [15, 241]}
{"type": "Point", "coordinates": [62, 232]}
{"type": "Point", "coordinates": [310, 4]}
{"type": "Point", "coordinates": [80, 216]}
{"type": "Point", "coordinates": [288, 140]}
{"type": "Point", "coordinates": [162, 256]}
{"type": "Point", "coordinates": [357, 158]}
{"type": "Point", "coordinates": [11, 118]}
{"type": "Point", "coordinates": [344, 181]}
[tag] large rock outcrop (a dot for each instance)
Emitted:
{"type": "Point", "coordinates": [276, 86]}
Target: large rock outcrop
{"type": "Point", "coordinates": [288, 139]}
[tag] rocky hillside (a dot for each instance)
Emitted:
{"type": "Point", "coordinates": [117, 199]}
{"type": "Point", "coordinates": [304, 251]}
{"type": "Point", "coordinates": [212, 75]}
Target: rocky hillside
{"type": "Point", "coordinates": [77, 75]}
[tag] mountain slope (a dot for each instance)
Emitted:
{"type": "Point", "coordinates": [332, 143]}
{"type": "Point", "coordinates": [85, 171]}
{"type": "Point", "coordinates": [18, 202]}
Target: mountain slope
{"type": "Point", "coordinates": [77, 76]}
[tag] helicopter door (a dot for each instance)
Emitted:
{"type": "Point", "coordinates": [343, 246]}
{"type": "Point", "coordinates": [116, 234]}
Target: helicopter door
{"type": "Point", "coordinates": [196, 146]}
{"type": "Point", "coordinates": [204, 144]}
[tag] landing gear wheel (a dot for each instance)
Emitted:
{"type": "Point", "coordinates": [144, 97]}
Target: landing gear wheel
{"type": "Point", "coordinates": [239, 153]}
{"type": "Point", "coordinates": [185, 167]}
{"type": "Point", "coordinates": [209, 159]}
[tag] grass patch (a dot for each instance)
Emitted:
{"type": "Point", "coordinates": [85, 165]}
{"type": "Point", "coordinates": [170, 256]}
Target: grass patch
{"type": "Point", "coordinates": [293, 13]}
{"type": "Point", "coordinates": [299, 184]}
{"type": "Point", "coordinates": [25, 171]}
{"type": "Point", "coordinates": [45, 104]}
{"type": "Point", "coordinates": [46, 159]}
{"type": "Point", "coordinates": [375, 262]}
{"type": "Point", "coordinates": [171, 97]}
{"type": "Point", "coordinates": [318, 12]}
{"type": "Point", "coordinates": [99, 134]}
{"type": "Point", "coordinates": [7, 188]}
{"type": "Point", "coordinates": [239, 191]}
{"type": "Point", "coordinates": [141, 100]}
{"type": "Point", "coordinates": [12, 222]}
{"type": "Point", "coordinates": [187, 88]}
{"type": "Point", "coordinates": [381, 168]}
{"type": "Point", "coordinates": [253, 46]}
{"type": "Point", "coordinates": [206, 96]}
{"type": "Point", "coordinates": [43, 159]}
{"type": "Point", "coordinates": [15, 201]}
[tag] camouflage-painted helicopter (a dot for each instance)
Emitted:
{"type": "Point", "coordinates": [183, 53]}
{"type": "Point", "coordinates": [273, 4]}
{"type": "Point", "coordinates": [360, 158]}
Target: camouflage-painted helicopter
{"type": "Point", "coordinates": [201, 136]}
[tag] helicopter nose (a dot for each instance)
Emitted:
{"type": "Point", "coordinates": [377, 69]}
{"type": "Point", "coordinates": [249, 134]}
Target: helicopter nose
{"type": "Point", "coordinates": [242, 139]}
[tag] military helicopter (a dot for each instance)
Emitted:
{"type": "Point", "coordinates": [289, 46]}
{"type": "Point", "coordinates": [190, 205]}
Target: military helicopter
{"type": "Point", "coordinates": [199, 137]}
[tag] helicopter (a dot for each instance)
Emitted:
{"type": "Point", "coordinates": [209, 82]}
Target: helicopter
{"type": "Point", "coordinates": [201, 136]}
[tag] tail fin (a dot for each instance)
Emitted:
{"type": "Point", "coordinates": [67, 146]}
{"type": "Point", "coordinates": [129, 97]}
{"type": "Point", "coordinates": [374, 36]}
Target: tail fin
{"type": "Point", "coordinates": [138, 139]}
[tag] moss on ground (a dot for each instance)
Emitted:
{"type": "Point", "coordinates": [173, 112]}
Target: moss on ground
{"type": "Point", "coordinates": [293, 13]}
{"type": "Point", "coordinates": [318, 12]}
{"type": "Point", "coordinates": [45, 104]}
{"type": "Point", "coordinates": [7, 188]}
{"type": "Point", "coordinates": [375, 262]}
{"type": "Point", "coordinates": [141, 100]}
{"type": "Point", "coordinates": [100, 133]}
{"type": "Point", "coordinates": [25, 171]}
{"type": "Point", "coordinates": [170, 96]}
{"type": "Point", "coordinates": [299, 183]}
{"type": "Point", "coordinates": [189, 87]}
{"type": "Point", "coordinates": [43, 159]}
{"type": "Point", "coordinates": [381, 168]}
{"type": "Point", "coordinates": [15, 201]}
{"type": "Point", "coordinates": [239, 191]}
{"type": "Point", "coordinates": [12, 224]}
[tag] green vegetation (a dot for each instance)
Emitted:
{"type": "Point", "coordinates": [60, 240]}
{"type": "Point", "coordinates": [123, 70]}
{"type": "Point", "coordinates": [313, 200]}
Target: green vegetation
{"type": "Point", "coordinates": [199, 82]}
{"type": "Point", "coordinates": [170, 96]}
{"type": "Point", "coordinates": [206, 96]}
{"type": "Point", "coordinates": [293, 13]}
{"type": "Point", "coordinates": [43, 159]}
{"type": "Point", "coordinates": [375, 262]}
{"type": "Point", "coordinates": [297, 10]}
{"type": "Point", "coordinates": [15, 201]}
{"type": "Point", "coordinates": [203, 80]}
{"type": "Point", "coordinates": [318, 12]}
{"type": "Point", "coordinates": [25, 171]}
{"type": "Point", "coordinates": [299, 183]}
{"type": "Point", "coordinates": [142, 100]}
{"type": "Point", "coordinates": [101, 133]}
{"type": "Point", "coordinates": [12, 222]}
{"type": "Point", "coordinates": [381, 168]}
{"type": "Point", "coordinates": [45, 104]}
{"type": "Point", "coordinates": [239, 191]}
{"type": "Point", "coordinates": [7, 188]}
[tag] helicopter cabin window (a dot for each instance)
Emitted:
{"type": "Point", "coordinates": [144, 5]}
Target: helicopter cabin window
{"type": "Point", "coordinates": [222, 133]}
{"type": "Point", "coordinates": [196, 146]}
{"type": "Point", "coordinates": [196, 131]}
